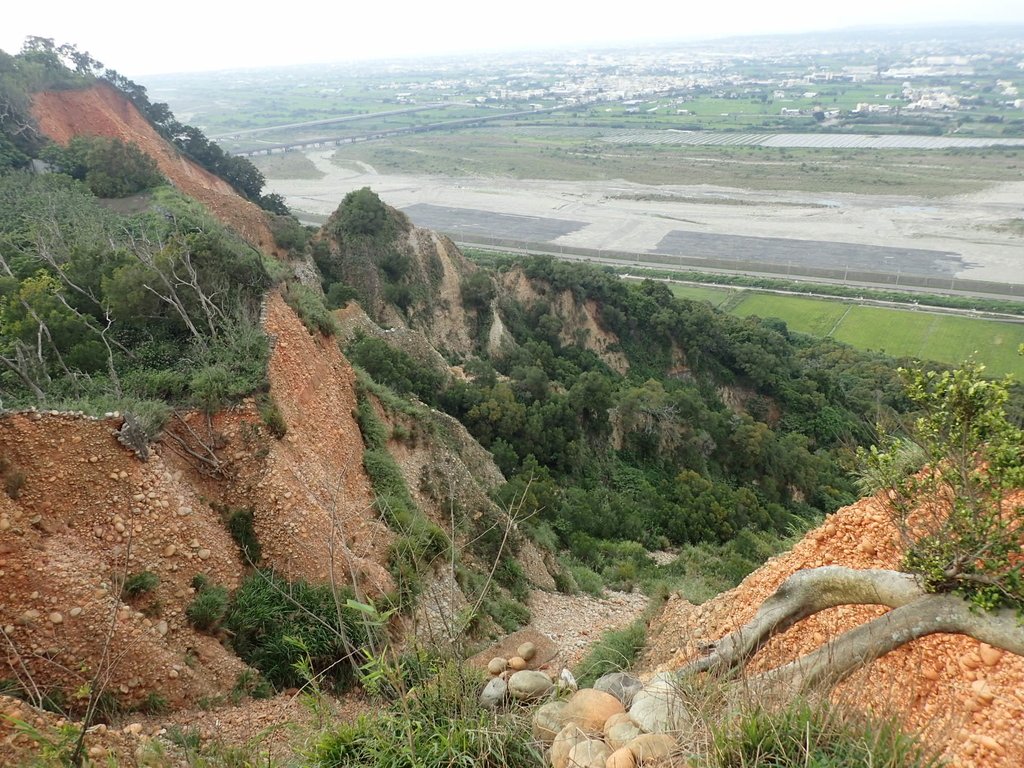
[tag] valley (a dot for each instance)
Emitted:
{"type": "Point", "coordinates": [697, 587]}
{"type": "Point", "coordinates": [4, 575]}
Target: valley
{"type": "Point", "coordinates": [348, 458]}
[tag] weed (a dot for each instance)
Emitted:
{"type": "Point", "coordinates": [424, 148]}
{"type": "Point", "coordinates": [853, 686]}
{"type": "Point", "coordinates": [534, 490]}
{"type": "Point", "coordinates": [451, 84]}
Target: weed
{"type": "Point", "coordinates": [803, 734]}
{"type": "Point", "coordinates": [241, 525]}
{"type": "Point", "coordinates": [440, 723]}
{"type": "Point", "coordinates": [615, 651]}
{"type": "Point", "coordinates": [140, 583]}
{"type": "Point", "coordinates": [207, 609]}
{"type": "Point", "coordinates": [272, 417]}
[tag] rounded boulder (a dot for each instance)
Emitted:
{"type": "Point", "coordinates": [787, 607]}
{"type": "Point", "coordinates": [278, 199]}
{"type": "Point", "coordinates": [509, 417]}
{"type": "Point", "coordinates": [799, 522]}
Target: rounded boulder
{"type": "Point", "coordinates": [494, 693]}
{"type": "Point", "coordinates": [527, 685]}
{"type": "Point", "coordinates": [548, 720]}
{"type": "Point", "coordinates": [589, 709]}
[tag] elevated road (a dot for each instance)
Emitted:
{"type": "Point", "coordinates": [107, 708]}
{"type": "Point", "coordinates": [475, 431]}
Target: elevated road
{"type": "Point", "coordinates": [339, 119]}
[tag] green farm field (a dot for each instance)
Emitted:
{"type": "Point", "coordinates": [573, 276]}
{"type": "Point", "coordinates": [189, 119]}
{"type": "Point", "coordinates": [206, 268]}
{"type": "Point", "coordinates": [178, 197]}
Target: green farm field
{"type": "Point", "coordinates": [898, 332]}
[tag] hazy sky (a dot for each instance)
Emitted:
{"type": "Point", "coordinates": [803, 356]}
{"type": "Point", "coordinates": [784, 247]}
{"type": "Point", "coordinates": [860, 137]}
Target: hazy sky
{"type": "Point", "coordinates": [145, 37]}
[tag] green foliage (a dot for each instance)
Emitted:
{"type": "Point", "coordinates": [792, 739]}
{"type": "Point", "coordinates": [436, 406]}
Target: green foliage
{"type": "Point", "coordinates": [615, 651]}
{"type": "Point", "coordinates": [249, 683]}
{"type": "Point", "coordinates": [154, 704]}
{"type": "Point", "coordinates": [277, 624]}
{"type": "Point", "coordinates": [242, 528]}
{"type": "Point", "coordinates": [272, 417]}
{"type": "Point", "coordinates": [310, 307]}
{"type": "Point", "coordinates": [109, 167]}
{"type": "Point", "coordinates": [395, 368]}
{"type": "Point", "coordinates": [137, 584]}
{"type": "Point", "coordinates": [340, 294]}
{"type": "Point", "coordinates": [85, 280]}
{"type": "Point", "coordinates": [439, 722]}
{"type": "Point", "coordinates": [208, 607]}
{"type": "Point", "coordinates": [362, 213]}
{"type": "Point", "coordinates": [960, 531]}
{"type": "Point", "coordinates": [803, 735]}
{"type": "Point", "coordinates": [420, 541]}
{"type": "Point", "coordinates": [289, 233]}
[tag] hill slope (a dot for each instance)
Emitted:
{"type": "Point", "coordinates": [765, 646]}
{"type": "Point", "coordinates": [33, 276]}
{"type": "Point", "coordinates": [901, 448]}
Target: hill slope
{"type": "Point", "coordinates": [102, 110]}
{"type": "Point", "coordinates": [959, 692]}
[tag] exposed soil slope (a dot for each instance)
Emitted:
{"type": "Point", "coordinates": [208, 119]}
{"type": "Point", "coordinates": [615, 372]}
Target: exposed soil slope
{"type": "Point", "coordinates": [103, 111]}
{"type": "Point", "coordinates": [962, 693]}
{"type": "Point", "coordinates": [89, 511]}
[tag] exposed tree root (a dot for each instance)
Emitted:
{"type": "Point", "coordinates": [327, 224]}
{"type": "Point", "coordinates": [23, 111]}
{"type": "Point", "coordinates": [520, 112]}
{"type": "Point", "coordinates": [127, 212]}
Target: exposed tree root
{"type": "Point", "coordinates": [915, 614]}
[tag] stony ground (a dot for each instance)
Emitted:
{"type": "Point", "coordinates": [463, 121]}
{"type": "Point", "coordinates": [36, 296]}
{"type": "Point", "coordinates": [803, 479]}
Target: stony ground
{"type": "Point", "coordinates": [575, 622]}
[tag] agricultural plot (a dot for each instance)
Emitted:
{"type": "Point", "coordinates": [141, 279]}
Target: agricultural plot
{"type": "Point", "coordinates": [908, 333]}
{"type": "Point", "coordinates": [804, 140]}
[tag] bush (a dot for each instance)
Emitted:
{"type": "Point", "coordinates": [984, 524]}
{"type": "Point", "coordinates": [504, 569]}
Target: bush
{"type": "Point", "coordinates": [362, 213]}
{"type": "Point", "coordinates": [140, 583]}
{"type": "Point", "coordinates": [272, 417]}
{"type": "Point", "coordinates": [278, 625]}
{"type": "Point", "coordinates": [340, 294]}
{"type": "Point", "coordinates": [310, 308]}
{"type": "Point", "coordinates": [241, 526]}
{"type": "Point", "coordinates": [959, 533]}
{"type": "Point", "coordinates": [815, 735]}
{"type": "Point", "coordinates": [587, 581]}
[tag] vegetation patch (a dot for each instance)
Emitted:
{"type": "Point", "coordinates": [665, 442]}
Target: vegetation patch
{"type": "Point", "coordinates": [294, 631]}
{"type": "Point", "coordinates": [805, 734]}
{"type": "Point", "coordinates": [437, 723]}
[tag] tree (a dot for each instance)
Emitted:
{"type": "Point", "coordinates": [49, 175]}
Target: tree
{"type": "Point", "coordinates": [962, 527]}
{"type": "Point", "coordinates": [361, 213]}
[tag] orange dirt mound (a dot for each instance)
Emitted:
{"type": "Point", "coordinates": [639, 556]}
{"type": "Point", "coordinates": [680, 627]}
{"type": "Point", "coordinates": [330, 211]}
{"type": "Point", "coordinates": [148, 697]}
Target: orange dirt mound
{"type": "Point", "coordinates": [960, 693]}
{"type": "Point", "coordinates": [103, 111]}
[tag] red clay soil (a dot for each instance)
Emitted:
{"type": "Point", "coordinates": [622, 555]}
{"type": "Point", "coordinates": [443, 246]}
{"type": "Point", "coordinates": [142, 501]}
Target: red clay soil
{"type": "Point", "coordinates": [103, 111]}
{"type": "Point", "coordinates": [961, 694]}
{"type": "Point", "coordinates": [88, 511]}
{"type": "Point", "coordinates": [311, 498]}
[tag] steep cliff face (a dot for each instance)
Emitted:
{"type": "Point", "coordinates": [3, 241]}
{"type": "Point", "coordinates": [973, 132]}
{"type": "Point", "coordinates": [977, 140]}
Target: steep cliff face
{"type": "Point", "coordinates": [964, 695]}
{"type": "Point", "coordinates": [88, 512]}
{"type": "Point", "coordinates": [103, 111]}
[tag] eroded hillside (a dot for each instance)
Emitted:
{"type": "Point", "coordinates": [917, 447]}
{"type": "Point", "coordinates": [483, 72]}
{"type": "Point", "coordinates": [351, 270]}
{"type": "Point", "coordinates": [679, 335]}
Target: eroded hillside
{"type": "Point", "coordinates": [88, 512]}
{"type": "Point", "coordinates": [963, 695]}
{"type": "Point", "coordinates": [102, 110]}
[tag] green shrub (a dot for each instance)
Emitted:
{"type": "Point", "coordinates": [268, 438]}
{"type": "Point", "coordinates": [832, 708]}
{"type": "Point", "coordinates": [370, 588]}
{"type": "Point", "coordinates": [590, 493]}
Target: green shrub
{"type": "Point", "coordinates": [277, 625]}
{"type": "Point", "coordinates": [251, 684]}
{"type": "Point", "coordinates": [443, 724]}
{"type": "Point", "coordinates": [362, 213]}
{"type": "Point", "coordinates": [508, 613]}
{"type": "Point", "coordinates": [154, 704]}
{"type": "Point", "coordinates": [140, 583]}
{"type": "Point", "coordinates": [340, 294]}
{"type": "Point", "coordinates": [310, 308]}
{"type": "Point", "coordinates": [272, 417]}
{"type": "Point", "coordinates": [587, 581]}
{"type": "Point", "coordinates": [615, 651]}
{"type": "Point", "coordinates": [803, 735]}
{"type": "Point", "coordinates": [207, 609]}
{"type": "Point", "coordinates": [395, 368]}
